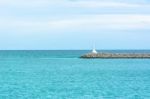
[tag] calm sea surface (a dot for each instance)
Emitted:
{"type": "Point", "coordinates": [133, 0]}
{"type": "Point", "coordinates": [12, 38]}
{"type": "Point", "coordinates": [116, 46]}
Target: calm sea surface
{"type": "Point", "coordinates": [62, 75]}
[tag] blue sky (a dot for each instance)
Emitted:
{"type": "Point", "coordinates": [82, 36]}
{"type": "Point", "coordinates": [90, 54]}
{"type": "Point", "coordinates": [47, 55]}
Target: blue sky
{"type": "Point", "coordinates": [74, 24]}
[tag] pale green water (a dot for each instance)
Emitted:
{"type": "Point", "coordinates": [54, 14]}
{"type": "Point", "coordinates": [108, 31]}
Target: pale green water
{"type": "Point", "coordinates": [62, 75]}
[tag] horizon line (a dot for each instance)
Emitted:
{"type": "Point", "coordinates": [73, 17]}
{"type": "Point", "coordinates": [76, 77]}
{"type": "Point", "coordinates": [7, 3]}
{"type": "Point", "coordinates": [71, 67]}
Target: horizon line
{"type": "Point", "coordinates": [63, 49]}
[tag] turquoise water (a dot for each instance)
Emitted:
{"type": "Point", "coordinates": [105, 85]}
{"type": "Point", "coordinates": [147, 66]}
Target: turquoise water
{"type": "Point", "coordinates": [62, 75]}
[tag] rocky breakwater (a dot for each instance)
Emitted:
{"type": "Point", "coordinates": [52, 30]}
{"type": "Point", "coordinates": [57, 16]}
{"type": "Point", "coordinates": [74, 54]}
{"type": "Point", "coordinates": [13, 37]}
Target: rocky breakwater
{"type": "Point", "coordinates": [116, 55]}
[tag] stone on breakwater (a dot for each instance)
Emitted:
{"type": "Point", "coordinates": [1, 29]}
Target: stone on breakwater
{"type": "Point", "coordinates": [116, 55]}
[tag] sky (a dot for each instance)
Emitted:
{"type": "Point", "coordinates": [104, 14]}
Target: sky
{"type": "Point", "coordinates": [74, 24]}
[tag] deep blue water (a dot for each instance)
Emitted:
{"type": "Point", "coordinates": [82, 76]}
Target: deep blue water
{"type": "Point", "coordinates": [62, 75]}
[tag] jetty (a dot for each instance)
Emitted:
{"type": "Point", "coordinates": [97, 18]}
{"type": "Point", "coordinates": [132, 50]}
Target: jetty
{"type": "Point", "coordinates": [95, 54]}
{"type": "Point", "coordinates": [116, 55]}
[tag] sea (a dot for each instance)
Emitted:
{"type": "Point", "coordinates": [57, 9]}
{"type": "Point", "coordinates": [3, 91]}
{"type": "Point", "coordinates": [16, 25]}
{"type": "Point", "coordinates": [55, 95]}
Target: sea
{"type": "Point", "coordinates": [61, 74]}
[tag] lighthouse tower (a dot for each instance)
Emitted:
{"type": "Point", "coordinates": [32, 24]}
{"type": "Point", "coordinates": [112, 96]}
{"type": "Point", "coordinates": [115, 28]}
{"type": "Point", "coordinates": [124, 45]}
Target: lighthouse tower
{"type": "Point", "coordinates": [94, 50]}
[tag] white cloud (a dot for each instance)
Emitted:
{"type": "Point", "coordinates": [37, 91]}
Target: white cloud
{"type": "Point", "coordinates": [23, 24]}
{"type": "Point", "coordinates": [109, 21]}
{"type": "Point", "coordinates": [66, 3]}
{"type": "Point", "coordinates": [27, 3]}
{"type": "Point", "coordinates": [96, 4]}
{"type": "Point", "coordinates": [84, 22]}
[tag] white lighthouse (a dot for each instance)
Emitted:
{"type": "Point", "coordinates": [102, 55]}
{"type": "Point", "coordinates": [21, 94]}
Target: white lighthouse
{"type": "Point", "coordinates": [94, 50]}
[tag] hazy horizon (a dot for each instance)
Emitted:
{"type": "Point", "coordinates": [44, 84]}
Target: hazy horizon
{"type": "Point", "coordinates": [74, 49]}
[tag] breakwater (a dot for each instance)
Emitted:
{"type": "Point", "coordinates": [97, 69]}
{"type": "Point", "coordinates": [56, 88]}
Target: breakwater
{"type": "Point", "coordinates": [116, 55]}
